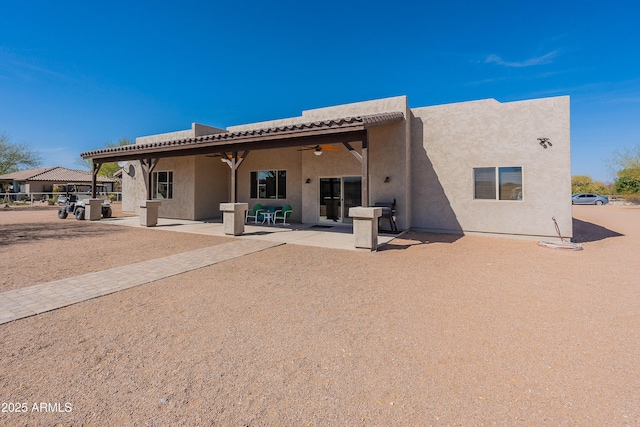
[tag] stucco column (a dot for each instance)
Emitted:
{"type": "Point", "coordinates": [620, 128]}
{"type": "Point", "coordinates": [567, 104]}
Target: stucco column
{"type": "Point", "coordinates": [233, 217]}
{"type": "Point", "coordinates": [149, 212]}
{"type": "Point", "coordinates": [93, 209]}
{"type": "Point", "coordinates": [365, 227]}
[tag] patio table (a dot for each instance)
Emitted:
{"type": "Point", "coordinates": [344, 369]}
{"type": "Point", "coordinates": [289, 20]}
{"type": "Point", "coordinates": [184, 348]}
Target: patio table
{"type": "Point", "coordinates": [268, 216]}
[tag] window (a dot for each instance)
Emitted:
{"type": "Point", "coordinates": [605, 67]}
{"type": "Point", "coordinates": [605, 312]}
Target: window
{"type": "Point", "coordinates": [484, 180]}
{"type": "Point", "coordinates": [510, 181]}
{"type": "Point", "coordinates": [503, 182]}
{"type": "Point", "coordinates": [162, 185]}
{"type": "Point", "coordinates": [269, 184]}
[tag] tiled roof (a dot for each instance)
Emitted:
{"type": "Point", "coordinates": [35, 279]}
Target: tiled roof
{"type": "Point", "coordinates": [294, 130]}
{"type": "Point", "coordinates": [54, 174]}
{"type": "Point", "coordinates": [23, 175]}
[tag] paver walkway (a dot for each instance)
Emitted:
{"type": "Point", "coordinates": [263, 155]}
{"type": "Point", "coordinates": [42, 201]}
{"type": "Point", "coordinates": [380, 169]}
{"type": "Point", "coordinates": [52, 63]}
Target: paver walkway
{"type": "Point", "coordinates": [25, 302]}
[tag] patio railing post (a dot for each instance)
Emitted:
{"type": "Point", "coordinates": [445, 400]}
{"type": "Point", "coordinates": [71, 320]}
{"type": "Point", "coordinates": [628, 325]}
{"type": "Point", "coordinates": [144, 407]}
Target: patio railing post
{"type": "Point", "coordinates": [365, 227]}
{"type": "Point", "coordinates": [233, 216]}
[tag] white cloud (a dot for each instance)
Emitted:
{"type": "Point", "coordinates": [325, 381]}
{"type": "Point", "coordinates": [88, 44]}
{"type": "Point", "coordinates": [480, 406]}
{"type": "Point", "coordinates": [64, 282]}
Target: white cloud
{"type": "Point", "coordinates": [539, 60]}
{"type": "Point", "coordinates": [24, 67]}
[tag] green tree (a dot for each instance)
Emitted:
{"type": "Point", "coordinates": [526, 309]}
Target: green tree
{"type": "Point", "coordinates": [107, 169]}
{"type": "Point", "coordinates": [585, 184]}
{"type": "Point", "coordinates": [625, 165]}
{"type": "Point", "coordinates": [14, 157]}
{"type": "Point", "coordinates": [628, 181]}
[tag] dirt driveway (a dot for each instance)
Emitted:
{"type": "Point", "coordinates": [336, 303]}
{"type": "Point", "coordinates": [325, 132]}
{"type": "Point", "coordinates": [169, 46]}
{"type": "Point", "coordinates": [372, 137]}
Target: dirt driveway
{"type": "Point", "coordinates": [432, 330]}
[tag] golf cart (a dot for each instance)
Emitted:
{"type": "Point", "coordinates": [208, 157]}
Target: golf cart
{"type": "Point", "coordinates": [75, 199]}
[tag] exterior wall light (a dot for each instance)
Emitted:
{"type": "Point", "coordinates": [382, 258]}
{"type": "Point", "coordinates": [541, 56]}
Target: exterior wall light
{"type": "Point", "coordinates": [387, 179]}
{"type": "Point", "coordinates": [544, 142]}
{"type": "Point", "coordinates": [308, 181]}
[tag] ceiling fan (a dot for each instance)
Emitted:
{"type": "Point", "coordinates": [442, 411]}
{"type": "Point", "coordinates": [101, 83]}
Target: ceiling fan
{"type": "Point", "coordinates": [318, 149]}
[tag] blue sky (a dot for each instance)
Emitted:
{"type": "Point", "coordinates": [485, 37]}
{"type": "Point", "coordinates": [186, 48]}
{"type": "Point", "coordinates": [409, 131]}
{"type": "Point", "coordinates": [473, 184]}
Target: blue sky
{"type": "Point", "coordinates": [76, 74]}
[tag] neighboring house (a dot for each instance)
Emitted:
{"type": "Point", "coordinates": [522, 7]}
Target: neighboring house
{"type": "Point", "coordinates": [42, 180]}
{"type": "Point", "coordinates": [471, 167]}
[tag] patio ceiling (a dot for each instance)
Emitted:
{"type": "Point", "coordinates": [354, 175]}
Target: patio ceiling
{"type": "Point", "coordinates": [342, 130]}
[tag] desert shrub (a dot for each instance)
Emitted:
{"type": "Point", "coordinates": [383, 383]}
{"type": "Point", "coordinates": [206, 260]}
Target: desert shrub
{"type": "Point", "coordinates": [635, 199]}
{"type": "Point", "coordinates": [628, 181]}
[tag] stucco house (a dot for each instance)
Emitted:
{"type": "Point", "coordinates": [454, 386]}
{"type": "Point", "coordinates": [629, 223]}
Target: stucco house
{"type": "Point", "coordinates": [471, 167]}
{"type": "Point", "coordinates": [43, 180]}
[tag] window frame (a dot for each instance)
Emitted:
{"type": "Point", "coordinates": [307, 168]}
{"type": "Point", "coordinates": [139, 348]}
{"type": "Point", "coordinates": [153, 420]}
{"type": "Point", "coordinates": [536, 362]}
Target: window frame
{"type": "Point", "coordinates": [278, 187]}
{"type": "Point", "coordinates": [156, 181]}
{"type": "Point", "coordinates": [497, 183]}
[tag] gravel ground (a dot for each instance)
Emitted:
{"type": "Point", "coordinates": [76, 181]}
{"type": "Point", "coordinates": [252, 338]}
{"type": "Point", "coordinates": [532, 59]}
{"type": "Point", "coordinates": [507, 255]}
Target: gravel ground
{"type": "Point", "coordinates": [432, 330]}
{"type": "Point", "coordinates": [40, 248]}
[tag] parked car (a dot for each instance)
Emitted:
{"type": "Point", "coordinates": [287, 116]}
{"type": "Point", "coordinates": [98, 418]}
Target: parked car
{"type": "Point", "coordinates": [589, 199]}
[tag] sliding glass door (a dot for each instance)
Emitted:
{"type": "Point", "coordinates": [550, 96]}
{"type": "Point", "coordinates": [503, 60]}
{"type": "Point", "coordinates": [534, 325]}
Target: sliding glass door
{"type": "Point", "coordinates": [337, 195]}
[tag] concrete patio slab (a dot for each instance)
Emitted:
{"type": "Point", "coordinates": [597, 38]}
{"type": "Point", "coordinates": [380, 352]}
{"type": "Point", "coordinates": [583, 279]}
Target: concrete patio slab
{"type": "Point", "coordinates": [334, 237]}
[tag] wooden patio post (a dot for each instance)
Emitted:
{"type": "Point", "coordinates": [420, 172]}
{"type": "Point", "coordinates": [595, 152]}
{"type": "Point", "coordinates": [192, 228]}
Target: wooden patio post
{"type": "Point", "coordinates": [147, 166]}
{"type": "Point", "coordinates": [364, 161]}
{"type": "Point", "coordinates": [365, 171]}
{"type": "Point", "coordinates": [234, 162]}
{"type": "Point", "coordinates": [95, 168]}
{"type": "Point", "coordinates": [234, 177]}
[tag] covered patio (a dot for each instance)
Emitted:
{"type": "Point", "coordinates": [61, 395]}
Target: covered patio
{"type": "Point", "coordinates": [333, 237]}
{"type": "Point", "coordinates": [351, 133]}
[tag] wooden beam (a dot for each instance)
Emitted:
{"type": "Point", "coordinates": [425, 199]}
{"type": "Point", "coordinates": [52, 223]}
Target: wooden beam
{"type": "Point", "coordinates": [242, 157]}
{"type": "Point", "coordinates": [234, 177]}
{"type": "Point", "coordinates": [147, 166]}
{"type": "Point", "coordinates": [365, 172]}
{"type": "Point", "coordinates": [234, 161]}
{"type": "Point", "coordinates": [95, 168]}
{"type": "Point", "coordinates": [364, 161]}
{"type": "Point", "coordinates": [353, 151]}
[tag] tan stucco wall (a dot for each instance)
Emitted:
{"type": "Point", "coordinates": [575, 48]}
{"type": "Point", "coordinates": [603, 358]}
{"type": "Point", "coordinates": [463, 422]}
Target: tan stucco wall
{"type": "Point", "coordinates": [288, 159]}
{"type": "Point", "coordinates": [183, 202]}
{"type": "Point", "coordinates": [386, 105]}
{"type": "Point", "coordinates": [329, 164]}
{"type": "Point", "coordinates": [133, 189]}
{"type": "Point", "coordinates": [36, 187]}
{"type": "Point", "coordinates": [200, 184]}
{"type": "Point", "coordinates": [211, 186]}
{"type": "Point", "coordinates": [197, 129]}
{"type": "Point", "coordinates": [388, 156]}
{"type": "Point", "coordinates": [388, 150]}
{"type": "Point", "coordinates": [450, 140]}
{"type": "Point", "coordinates": [429, 158]}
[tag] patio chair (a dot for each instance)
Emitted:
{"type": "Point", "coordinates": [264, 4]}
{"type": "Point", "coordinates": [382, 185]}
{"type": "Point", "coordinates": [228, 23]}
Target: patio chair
{"type": "Point", "coordinates": [254, 213]}
{"type": "Point", "coordinates": [282, 214]}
